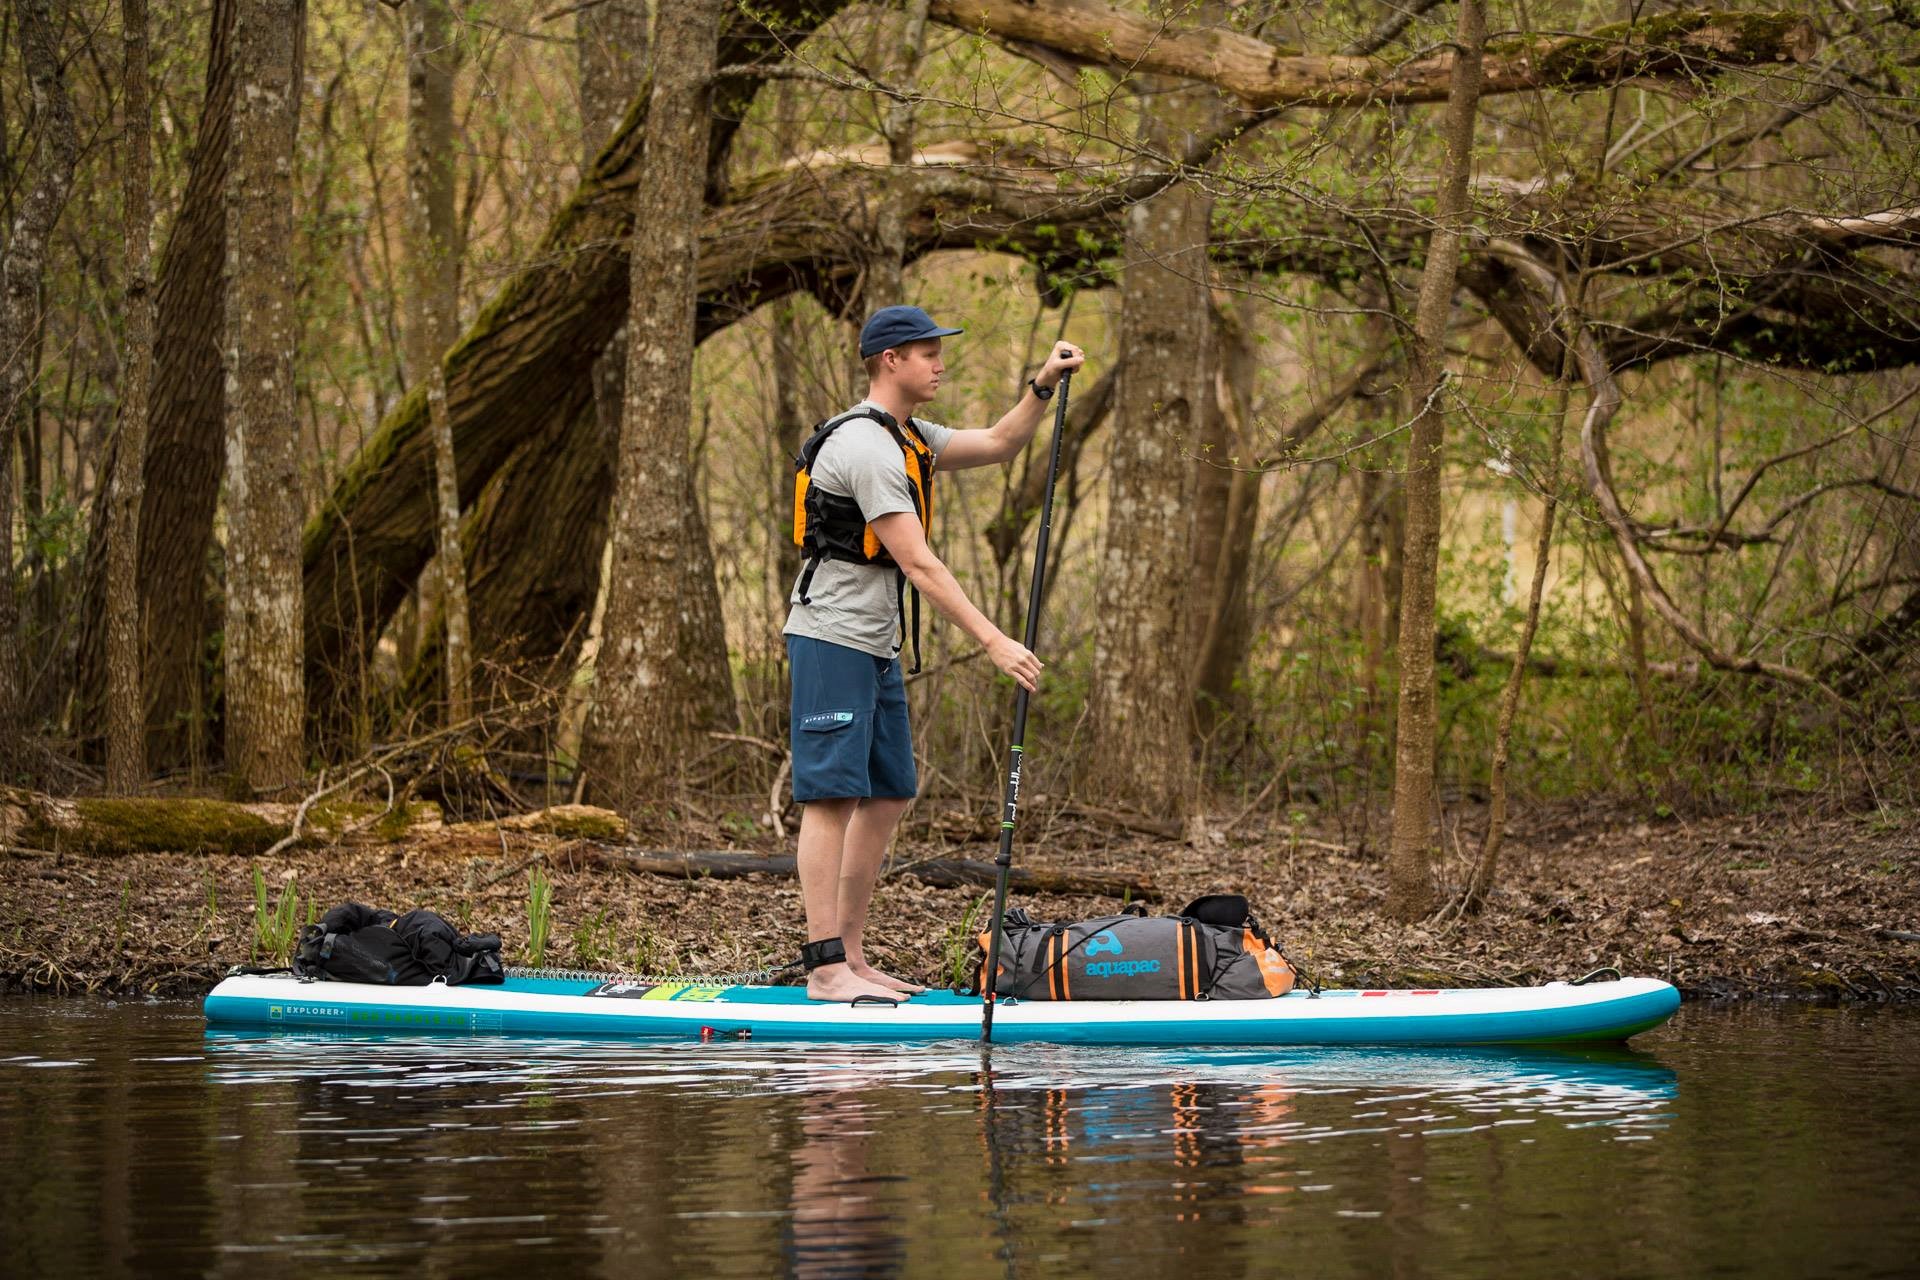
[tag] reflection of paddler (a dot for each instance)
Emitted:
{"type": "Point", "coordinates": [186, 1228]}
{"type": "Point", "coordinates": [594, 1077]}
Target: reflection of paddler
{"type": "Point", "coordinates": [839, 1226]}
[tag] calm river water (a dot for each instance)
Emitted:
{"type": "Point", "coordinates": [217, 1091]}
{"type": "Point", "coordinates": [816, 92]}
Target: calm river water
{"type": "Point", "coordinates": [1756, 1141]}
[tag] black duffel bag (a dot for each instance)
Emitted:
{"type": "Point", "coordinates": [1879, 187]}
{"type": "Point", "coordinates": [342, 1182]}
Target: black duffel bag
{"type": "Point", "coordinates": [1212, 950]}
{"type": "Point", "coordinates": [358, 943]}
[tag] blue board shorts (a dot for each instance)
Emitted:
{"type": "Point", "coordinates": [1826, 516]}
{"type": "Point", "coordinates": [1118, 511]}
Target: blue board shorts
{"type": "Point", "coordinates": [850, 735]}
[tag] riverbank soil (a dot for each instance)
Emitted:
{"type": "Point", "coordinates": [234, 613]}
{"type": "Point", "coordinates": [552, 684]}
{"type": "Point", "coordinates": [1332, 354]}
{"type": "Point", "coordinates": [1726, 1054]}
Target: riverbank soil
{"type": "Point", "coordinates": [1798, 904]}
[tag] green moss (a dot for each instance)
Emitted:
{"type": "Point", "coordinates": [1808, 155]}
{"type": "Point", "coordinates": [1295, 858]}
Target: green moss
{"type": "Point", "coordinates": [395, 825]}
{"type": "Point", "coordinates": [1605, 50]}
{"type": "Point", "coordinates": [1652, 45]}
{"type": "Point", "coordinates": [1762, 37]}
{"type": "Point", "coordinates": [406, 421]}
{"type": "Point", "coordinates": [1825, 982]}
{"type": "Point", "coordinates": [583, 823]}
{"type": "Point", "coordinates": [1425, 978]}
{"type": "Point", "coordinates": [162, 826]}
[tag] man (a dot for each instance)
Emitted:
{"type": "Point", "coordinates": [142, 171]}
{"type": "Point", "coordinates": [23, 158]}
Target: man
{"type": "Point", "coordinates": [863, 501]}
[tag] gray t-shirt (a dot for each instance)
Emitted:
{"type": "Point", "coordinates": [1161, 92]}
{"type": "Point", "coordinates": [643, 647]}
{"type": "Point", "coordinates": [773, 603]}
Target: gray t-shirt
{"type": "Point", "coordinates": [856, 604]}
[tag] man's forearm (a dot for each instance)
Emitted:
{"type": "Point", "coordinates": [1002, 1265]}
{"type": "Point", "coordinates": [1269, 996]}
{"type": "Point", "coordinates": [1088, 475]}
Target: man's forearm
{"type": "Point", "coordinates": [934, 581]}
{"type": "Point", "coordinates": [1015, 429]}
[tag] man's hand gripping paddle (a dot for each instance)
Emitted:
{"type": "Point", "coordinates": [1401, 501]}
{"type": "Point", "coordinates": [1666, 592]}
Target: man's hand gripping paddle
{"type": "Point", "coordinates": [1003, 863]}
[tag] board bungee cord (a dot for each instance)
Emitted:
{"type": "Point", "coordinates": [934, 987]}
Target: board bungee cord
{"type": "Point", "coordinates": [1010, 810]}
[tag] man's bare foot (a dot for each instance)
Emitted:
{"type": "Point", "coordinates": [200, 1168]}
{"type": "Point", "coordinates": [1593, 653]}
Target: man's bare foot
{"type": "Point", "coordinates": [886, 980]}
{"type": "Point", "coordinates": [841, 983]}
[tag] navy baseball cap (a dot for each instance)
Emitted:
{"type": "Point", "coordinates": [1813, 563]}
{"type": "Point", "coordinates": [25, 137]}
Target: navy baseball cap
{"type": "Point", "coordinates": [897, 326]}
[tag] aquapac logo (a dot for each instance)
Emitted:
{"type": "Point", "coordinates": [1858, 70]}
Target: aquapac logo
{"type": "Point", "coordinates": [1121, 968]}
{"type": "Point", "coordinates": [1105, 943]}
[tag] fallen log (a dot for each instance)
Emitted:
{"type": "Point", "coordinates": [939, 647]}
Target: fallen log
{"type": "Point", "coordinates": [955, 873]}
{"type": "Point", "coordinates": [937, 873]}
{"type": "Point", "coordinates": [139, 824]}
{"type": "Point", "coordinates": [114, 826]}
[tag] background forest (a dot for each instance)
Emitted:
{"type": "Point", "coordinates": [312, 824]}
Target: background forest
{"type": "Point", "coordinates": [1482, 397]}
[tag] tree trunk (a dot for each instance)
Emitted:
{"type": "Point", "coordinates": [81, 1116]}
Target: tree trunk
{"type": "Point", "coordinates": [433, 256]}
{"type": "Point", "coordinates": [126, 713]}
{"type": "Point", "coordinates": [884, 285]}
{"type": "Point", "coordinates": [263, 670]}
{"type": "Point", "coordinates": [1230, 510]}
{"type": "Point", "coordinates": [1143, 680]}
{"type": "Point", "coordinates": [39, 199]}
{"type": "Point", "coordinates": [613, 45]}
{"type": "Point", "coordinates": [1487, 865]}
{"type": "Point", "coordinates": [789, 432]}
{"type": "Point", "coordinates": [183, 455]}
{"type": "Point", "coordinates": [660, 664]}
{"type": "Point", "coordinates": [536, 535]}
{"type": "Point", "coordinates": [522, 371]}
{"type": "Point", "coordinates": [1409, 873]}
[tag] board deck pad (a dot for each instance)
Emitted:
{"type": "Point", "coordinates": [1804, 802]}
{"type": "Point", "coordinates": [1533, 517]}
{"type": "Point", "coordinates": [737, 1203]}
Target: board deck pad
{"type": "Point", "coordinates": [635, 1007]}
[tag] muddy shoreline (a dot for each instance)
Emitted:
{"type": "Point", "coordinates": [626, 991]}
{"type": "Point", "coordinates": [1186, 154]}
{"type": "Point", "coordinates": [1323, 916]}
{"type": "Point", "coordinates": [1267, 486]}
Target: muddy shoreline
{"type": "Point", "coordinates": [1798, 905]}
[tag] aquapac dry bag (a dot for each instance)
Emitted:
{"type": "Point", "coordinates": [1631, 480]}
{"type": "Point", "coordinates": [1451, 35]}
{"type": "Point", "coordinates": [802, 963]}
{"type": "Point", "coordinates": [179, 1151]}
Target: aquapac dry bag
{"type": "Point", "coordinates": [1213, 950]}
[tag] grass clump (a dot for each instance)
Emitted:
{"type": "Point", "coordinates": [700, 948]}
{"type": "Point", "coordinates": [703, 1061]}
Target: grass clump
{"type": "Point", "coordinates": [539, 915]}
{"type": "Point", "coordinates": [274, 927]}
{"type": "Point", "coordinates": [596, 942]}
{"type": "Point", "coordinates": [956, 953]}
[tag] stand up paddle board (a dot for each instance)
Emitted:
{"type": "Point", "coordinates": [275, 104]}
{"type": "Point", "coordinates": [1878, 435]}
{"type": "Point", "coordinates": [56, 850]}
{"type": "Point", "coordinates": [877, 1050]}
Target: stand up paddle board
{"type": "Point", "coordinates": [602, 1005]}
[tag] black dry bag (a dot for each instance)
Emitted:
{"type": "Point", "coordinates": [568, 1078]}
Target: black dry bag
{"type": "Point", "coordinates": [358, 943]}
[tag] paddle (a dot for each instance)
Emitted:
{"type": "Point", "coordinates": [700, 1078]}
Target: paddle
{"type": "Point", "coordinates": [1003, 862]}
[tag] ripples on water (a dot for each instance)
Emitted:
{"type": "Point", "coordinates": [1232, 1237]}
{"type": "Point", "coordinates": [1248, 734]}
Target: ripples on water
{"type": "Point", "coordinates": [1749, 1142]}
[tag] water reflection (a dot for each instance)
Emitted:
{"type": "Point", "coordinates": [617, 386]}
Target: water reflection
{"type": "Point", "coordinates": [157, 1148]}
{"type": "Point", "coordinates": [849, 1161]}
{"type": "Point", "coordinates": [844, 1223]}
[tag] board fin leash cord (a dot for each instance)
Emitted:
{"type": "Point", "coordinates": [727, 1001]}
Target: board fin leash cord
{"type": "Point", "coordinates": [1010, 811]}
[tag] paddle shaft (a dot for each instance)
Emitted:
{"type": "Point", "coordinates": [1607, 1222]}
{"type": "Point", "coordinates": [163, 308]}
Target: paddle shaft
{"type": "Point", "coordinates": [1010, 810]}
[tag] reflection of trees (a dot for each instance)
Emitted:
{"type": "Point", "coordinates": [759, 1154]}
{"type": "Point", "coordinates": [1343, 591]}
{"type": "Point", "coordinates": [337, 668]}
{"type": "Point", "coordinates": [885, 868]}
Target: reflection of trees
{"type": "Point", "coordinates": [349, 1160]}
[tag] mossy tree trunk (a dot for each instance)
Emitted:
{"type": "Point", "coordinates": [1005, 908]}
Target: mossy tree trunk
{"type": "Point", "coordinates": [1409, 872]}
{"type": "Point", "coordinates": [662, 664]}
{"type": "Point", "coordinates": [263, 669]}
{"type": "Point", "coordinates": [37, 204]}
{"type": "Point", "coordinates": [126, 711]}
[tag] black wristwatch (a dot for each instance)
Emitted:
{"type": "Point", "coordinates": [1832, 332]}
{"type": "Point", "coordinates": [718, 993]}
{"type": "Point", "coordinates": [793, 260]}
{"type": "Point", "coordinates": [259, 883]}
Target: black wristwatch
{"type": "Point", "coordinates": [1044, 393]}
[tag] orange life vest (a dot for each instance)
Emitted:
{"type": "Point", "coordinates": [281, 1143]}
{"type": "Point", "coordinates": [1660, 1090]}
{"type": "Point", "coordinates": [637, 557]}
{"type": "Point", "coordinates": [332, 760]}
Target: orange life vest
{"type": "Point", "coordinates": [830, 526]}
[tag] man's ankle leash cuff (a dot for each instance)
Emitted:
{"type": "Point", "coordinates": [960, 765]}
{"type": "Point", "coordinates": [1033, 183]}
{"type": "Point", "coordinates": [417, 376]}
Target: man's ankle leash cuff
{"type": "Point", "coordinates": [827, 951]}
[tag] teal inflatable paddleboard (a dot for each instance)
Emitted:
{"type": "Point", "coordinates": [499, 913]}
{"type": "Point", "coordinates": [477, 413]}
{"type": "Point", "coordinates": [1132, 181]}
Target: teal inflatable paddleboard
{"type": "Point", "coordinates": [1556, 1013]}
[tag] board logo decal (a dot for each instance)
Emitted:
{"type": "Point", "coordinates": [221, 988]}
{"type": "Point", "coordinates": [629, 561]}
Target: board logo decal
{"type": "Point", "coordinates": [687, 991]}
